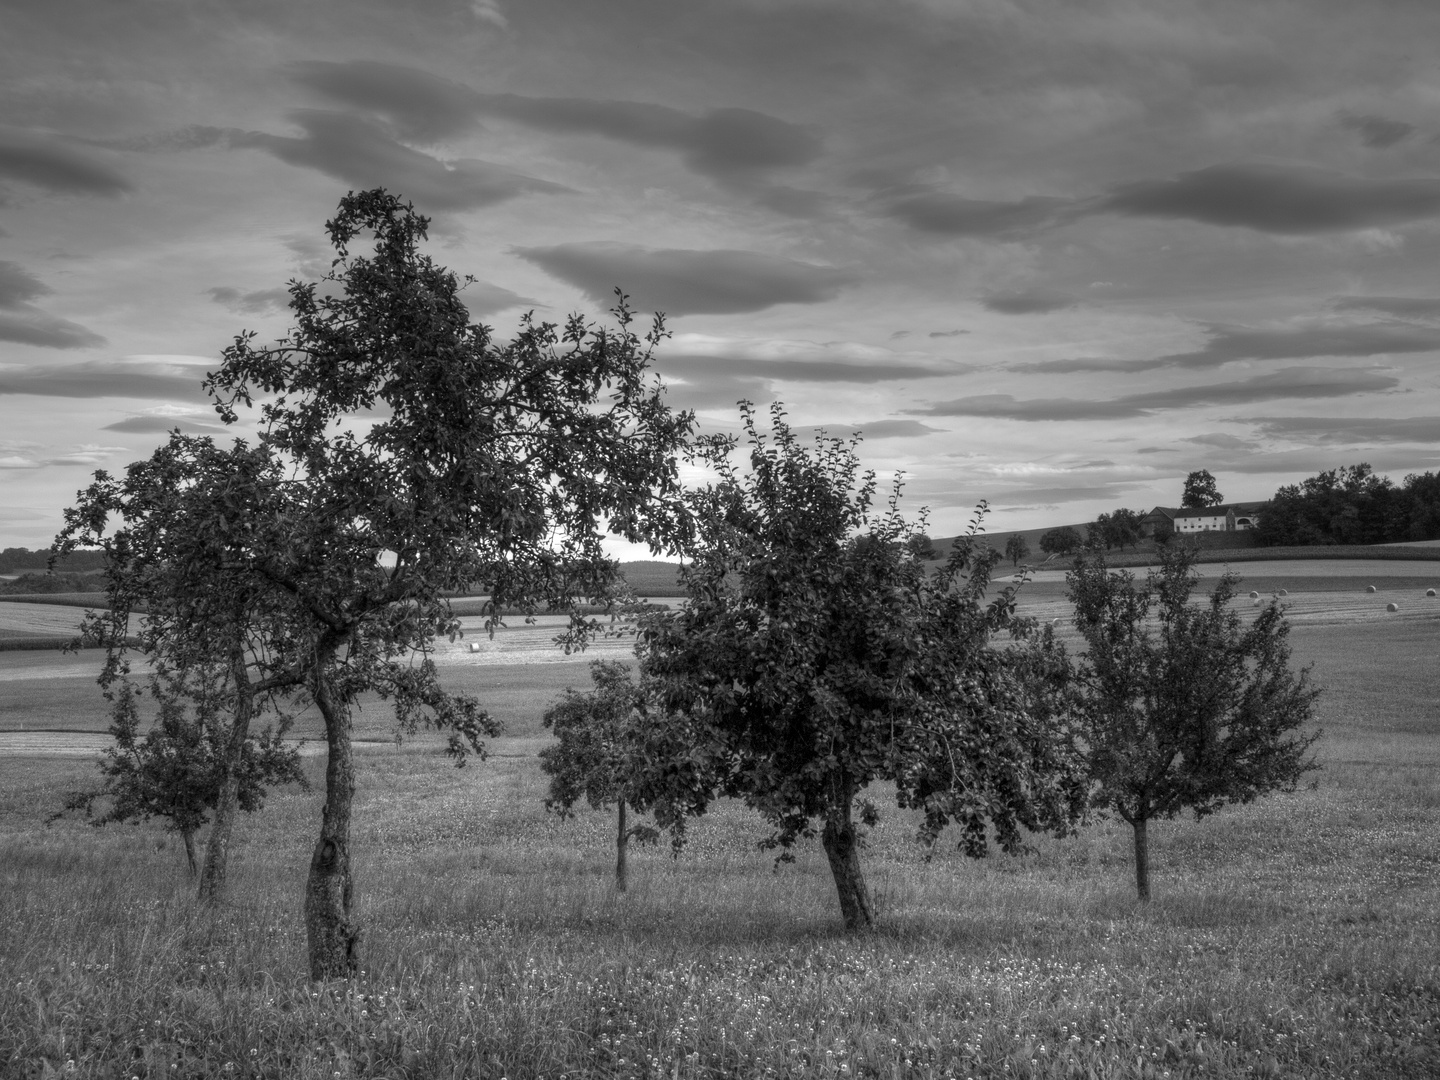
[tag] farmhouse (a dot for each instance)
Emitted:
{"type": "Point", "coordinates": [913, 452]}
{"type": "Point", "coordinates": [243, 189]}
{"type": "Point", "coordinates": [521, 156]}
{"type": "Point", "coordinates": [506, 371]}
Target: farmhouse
{"type": "Point", "coordinates": [1228, 517]}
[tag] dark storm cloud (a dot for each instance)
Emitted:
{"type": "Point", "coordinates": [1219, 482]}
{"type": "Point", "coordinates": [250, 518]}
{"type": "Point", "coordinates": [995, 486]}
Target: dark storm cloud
{"type": "Point", "coordinates": [159, 425]}
{"type": "Point", "coordinates": [357, 152]}
{"type": "Point", "coordinates": [681, 281]}
{"type": "Point", "coordinates": [25, 324]}
{"type": "Point", "coordinates": [108, 378]}
{"type": "Point", "coordinates": [59, 168]}
{"type": "Point", "coordinates": [1285, 383]}
{"type": "Point", "coordinates": [1377, 132]}
{"type": "Point", "coordinates": [1031, 302]}
{"type": "Point", "coordinates": [260, 302]}
{"type": "Point", "coordinates": [721, 143]}
{"type": "Point", "coordinates": [945, 214]}
{"type": "Point", "coordinates": [1286, 199]}
{"type": "Point", "coordinates": [1350, 429]}
{"type": "Point", "coordinates": [1228, 344]}
{"type": "Point", "coordinates": [1411, 307]}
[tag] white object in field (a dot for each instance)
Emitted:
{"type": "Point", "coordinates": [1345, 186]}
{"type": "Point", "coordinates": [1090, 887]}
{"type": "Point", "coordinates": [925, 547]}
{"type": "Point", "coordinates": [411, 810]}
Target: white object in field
{"type": "Point", "coordinates": [474, 646]}
{"type": "Point", "coordinates": [1429, 592]}
{"type": "Point", "coordinates": [1283, 592]}
{"type": "Point", "coordinates": [1392, 607]}
{"type": "Point", "coordinates": [1369, 588]}
{"type": "Point", "coordinates": [1256, 602]}
{"type": "Point", "coordinates": [1254, 595]}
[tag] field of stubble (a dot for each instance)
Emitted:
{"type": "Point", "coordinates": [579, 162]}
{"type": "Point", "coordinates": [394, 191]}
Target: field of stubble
{"type": "Point", "coordinates": [1298, 936]}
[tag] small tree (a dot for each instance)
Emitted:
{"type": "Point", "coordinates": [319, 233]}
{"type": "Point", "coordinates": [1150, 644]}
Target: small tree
{"type": "Point", "coordinates": [598, 733]}
{"type": "Point", "coordinates": [176, 533]}
{"type": "Point", "coordinates": [179, 771]}
{"type": "Point", "coordinates": [1200, 491]}
{"type": "Point", "coordinates": [819, 656]}
{"type": "Point", "coordinates": [1062, 541]}
{"type": "Point", "coordinates": [1016, 549]}
{"type": "Point", "coordinates": [1194, 713]}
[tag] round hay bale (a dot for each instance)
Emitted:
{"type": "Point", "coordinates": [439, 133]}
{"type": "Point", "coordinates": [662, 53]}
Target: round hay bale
{"type": "Point", "coordinates": [1429, 592]}
{"type": "Point", "coordinates": [1283, 592]}
{"type": "Point", "coordinates": [1254, 595]}
{"type": "Point", "coordinates": [1369, 588]}
{"type": "Point", "coordinates": [1392, 606]}
{"type": "Point", "coordinates": [474, 646]}
{"type": "Point", "coordinates": [1255, 602]}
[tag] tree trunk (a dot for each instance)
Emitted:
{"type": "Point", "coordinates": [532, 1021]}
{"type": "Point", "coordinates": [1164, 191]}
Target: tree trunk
{"type": "Point", "coordinates": [622, 840]}
{"type": "Point", "coordinates": [1142, 858]}
{"type": "Point", "coordinates": [188, 836]}
{"type": "Point", "coordinates": [333, 936]}
{"type": "Point", "coordinates": [843, 851]}
{"type": "Point", "coordinates": [222, 825]}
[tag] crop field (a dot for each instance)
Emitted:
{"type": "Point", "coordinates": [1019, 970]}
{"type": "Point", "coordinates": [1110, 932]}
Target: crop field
{"type": "Point", "coordinates": [1298, 936]}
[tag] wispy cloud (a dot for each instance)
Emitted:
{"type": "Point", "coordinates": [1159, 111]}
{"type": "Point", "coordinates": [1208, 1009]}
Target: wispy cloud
{"type": "Point", "coordinates": [1284, 199]}
{"type": "Point", "coordinates": [175, 378]}
{"type": "Point", "coordinates": [56, 166]}
{"type": "Point", "coordinates": [683, 281]}
{"type": "Point", "coordinates": [1286, 383]}
{"type": "Point", "coordinates": [357, 152]}
{"type": "Point", "coordinates": [26, 324]}
{"type": "Point", "coordinates": [1231, 343]}
{"type": "Point", "coordinates": [1350, 429]}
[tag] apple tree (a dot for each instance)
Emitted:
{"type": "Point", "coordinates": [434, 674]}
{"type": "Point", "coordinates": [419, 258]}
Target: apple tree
{"type": "Point", "coordinates": [820, 657]}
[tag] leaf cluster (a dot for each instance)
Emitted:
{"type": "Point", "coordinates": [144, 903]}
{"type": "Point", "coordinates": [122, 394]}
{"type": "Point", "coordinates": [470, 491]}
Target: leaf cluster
{"type": "Point", "coordinates": [820, 656]}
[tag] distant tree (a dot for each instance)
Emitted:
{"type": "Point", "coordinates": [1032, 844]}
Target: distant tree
{"type": "Point", "coordinates": [181, 769]}
{"type": "Point", "coordinates": [1062, 541]}
{"type": "Point", "coordinates": [1194, 712]}
{"type": "Point", "coordinates": [1016, 549]}
{"type": "Point", "coordinates": [1200, 491]}
{"type": "Point", "coordinates": [610, 741]}
{"type": "Point", "coordinates": [1119, 529]}
{"type": "Point", "coordinates": [1349, 505]}
{"type": "Point", "coordinates": [821, 656]}
{"type": "Point", "coordinates": [922, 547]}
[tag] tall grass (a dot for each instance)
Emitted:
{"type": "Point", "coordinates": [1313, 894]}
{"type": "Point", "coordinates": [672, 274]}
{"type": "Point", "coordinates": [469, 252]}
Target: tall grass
{"type": "Point", "coordinates": [1298, 936]}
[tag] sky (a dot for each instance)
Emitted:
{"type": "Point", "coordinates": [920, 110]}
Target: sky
{"type": "Point", "coordinates": [1052, 254]}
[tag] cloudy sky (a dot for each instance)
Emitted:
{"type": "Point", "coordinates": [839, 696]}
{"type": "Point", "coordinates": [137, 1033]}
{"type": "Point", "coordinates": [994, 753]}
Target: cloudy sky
{"type": "Point", "coordinates": [1050, 253]}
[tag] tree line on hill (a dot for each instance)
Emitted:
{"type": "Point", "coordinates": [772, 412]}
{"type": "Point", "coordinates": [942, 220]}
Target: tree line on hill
{"type": "Point", "coordinates": [1352, 505]}
{"type": "Point", "coordinates": [816, 657]}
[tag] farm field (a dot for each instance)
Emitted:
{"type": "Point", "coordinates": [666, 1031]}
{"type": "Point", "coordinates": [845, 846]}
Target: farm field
{"type": "Point", "coordinates": [1298, 936]}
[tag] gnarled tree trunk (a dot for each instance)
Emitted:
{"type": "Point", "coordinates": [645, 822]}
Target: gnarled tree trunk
{"type": "Point", "coordinates": [330, 927]}
{"type": "Point", "coordinates": [842, 848]}
{"type": "Point", "coordinates": [222, 825]}
{"type": "Point", "coordinates": [1142, 858]}
{"type": "Point", "coordinates": [622, 841]}
{"type": "Point", "coordinates": [187, 836]}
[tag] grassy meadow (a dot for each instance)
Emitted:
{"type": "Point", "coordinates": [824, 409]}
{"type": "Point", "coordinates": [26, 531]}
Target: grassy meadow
{"type": "Point", "coordinates": [1295, 937]}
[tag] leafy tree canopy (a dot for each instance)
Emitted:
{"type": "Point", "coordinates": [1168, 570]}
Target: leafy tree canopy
{"type": "Point", "coordinates": [1200, 491]}
{"type": "Point", "coordinates": [1062, 541]}
{"type": "Point", "coordinates": [1185, 706]}
{"type": "Point", "coordinates": [820, 658]}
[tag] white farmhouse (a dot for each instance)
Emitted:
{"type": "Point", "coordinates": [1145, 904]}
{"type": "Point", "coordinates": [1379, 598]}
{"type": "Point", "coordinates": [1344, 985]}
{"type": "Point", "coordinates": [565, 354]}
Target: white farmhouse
{"type": "Point", "coordinates": [1229, 517]}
